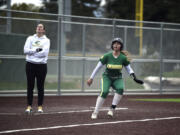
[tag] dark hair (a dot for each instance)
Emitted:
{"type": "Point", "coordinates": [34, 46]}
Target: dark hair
{"type": "Point", "coordinates": [42, 25]}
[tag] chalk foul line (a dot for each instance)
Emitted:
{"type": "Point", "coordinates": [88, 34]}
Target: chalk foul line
{"type": "Point", "coordinates": [64, 112]}
{"type": "Point", "coordinates": [88, 124]}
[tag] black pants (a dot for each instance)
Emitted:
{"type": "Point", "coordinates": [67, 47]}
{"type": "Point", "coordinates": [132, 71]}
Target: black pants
{"type": "Point", "coordinates": [39, 72]}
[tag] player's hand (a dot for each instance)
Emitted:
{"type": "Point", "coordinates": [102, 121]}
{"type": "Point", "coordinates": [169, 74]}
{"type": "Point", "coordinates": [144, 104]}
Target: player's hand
{"type": "Point", "coordinates": [89, 82]}
{"type": "Point", "coordinates": [135, 79]}
{"type": "Point", "coordinates": [38, 49]}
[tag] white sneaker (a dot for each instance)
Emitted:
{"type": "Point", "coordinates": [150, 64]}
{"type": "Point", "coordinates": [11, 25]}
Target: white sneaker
{"type": "Point", "coordinates": [28, 110]}
{"type": "Point", "coordinates": [94, 116]}
{"type": "Point", "coordinates": [40, 110]}
{"type": "Point", "coordinates": [110, 112]}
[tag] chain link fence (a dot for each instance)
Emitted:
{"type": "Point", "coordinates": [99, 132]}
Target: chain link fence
{"type": "Point", "coordinates": [77, 43]}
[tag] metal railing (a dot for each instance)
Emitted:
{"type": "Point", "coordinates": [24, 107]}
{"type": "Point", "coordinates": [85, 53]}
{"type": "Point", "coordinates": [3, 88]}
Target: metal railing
{"type": "Point", "coordinates": [77, 45]}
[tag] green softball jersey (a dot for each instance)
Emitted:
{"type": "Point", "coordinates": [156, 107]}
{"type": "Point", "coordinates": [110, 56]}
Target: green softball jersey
{"type": "Point", "coordinates": [114, 65]}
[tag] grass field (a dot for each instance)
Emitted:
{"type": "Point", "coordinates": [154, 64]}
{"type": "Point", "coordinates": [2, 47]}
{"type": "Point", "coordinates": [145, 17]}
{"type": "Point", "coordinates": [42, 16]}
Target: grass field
{"type": "Point", "coordinates": [159, 99]}
{"type": "Point", "coordinates": [67, 83]}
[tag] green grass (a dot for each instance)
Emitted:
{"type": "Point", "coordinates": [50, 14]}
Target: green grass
{"type": "Point", "coordinates": [67, 83]}
{"type": "Point", "coordinates": [175, 73]}
{"type": "Point", "coordinates": [64, 85]}
{"type": "Point", "coordinates": [54, 85]}
{"type": "Point", "coordinates": [130, 84]}
{"type": "Point", "coordinates": [12, 86]}
{"type": "Point", "coordinates": [159, 99]}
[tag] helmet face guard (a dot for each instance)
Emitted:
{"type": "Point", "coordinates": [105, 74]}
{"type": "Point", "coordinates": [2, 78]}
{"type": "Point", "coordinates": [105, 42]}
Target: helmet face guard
{"type": "Point", "coordinates": [119, 40]}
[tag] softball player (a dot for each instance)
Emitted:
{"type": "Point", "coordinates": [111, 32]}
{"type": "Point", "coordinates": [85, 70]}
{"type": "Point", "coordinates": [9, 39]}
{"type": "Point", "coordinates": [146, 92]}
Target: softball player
{"type": "Point", "coordinates": [112, 77]}
{"type": "Point", "coordinates": [36, 49]}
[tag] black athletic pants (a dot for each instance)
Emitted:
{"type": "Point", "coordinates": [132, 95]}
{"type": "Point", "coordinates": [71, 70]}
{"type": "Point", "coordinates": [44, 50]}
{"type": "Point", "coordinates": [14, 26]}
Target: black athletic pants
{"type": "Point", "coordinates": [39, 72]}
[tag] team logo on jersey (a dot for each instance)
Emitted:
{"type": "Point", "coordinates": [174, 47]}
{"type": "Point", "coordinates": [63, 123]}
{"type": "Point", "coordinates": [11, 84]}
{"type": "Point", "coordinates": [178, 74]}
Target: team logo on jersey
{"type": "Point", "coordinates": [110, 66]}
{"type": "Point", "coordinates": [37, 44]}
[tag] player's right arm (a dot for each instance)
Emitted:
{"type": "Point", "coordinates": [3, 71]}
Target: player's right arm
{"type": "Point", "coordinates": [102, 61]}
{"type": "Point", "coordinates": [27, 47]}
{"type": "Point", "coordinates": [95, 71]}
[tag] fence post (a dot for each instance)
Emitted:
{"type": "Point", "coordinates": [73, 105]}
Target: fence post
{"type": "Point", "coordinates": [59, 53]}
{"type": "Point", "coordinates": [114, 28]}
{"type": "Point", "coordinates": [9, 22]}
{"type": "Point", "coordinates": [161, 57]}
{"type": "Point", "coordinates": [84, 53]}
{"type": "Point", "coordinates": [125, 48]}
{"type": "Point", "coordinates": [125, 38]}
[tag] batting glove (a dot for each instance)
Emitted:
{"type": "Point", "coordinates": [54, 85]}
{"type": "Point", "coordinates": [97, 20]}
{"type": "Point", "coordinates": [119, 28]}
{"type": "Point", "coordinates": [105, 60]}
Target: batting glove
{"type": "Point", "coordinates": [135, 79]}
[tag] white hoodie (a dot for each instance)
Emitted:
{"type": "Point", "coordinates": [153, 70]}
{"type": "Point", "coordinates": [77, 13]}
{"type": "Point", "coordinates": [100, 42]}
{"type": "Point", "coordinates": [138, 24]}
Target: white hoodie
{"type": "Point", "coordinates": [34, 42]}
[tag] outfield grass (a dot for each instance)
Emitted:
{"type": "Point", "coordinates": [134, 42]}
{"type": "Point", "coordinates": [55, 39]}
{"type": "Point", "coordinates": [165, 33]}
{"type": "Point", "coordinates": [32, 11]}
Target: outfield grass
{"type": "Point", "coordinates": [67, 83]}
{"type": "Point", "coordinates": [175, 73]}
{"type": "Point", "coordinates": [130, 84]}
{"type": "Point", "coordinates": [22, 86]}
{"type": "Point", "coordinates": [159, 99]}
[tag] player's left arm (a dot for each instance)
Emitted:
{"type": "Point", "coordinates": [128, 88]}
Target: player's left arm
{"type": "Point", "coordinates": [132, 74]}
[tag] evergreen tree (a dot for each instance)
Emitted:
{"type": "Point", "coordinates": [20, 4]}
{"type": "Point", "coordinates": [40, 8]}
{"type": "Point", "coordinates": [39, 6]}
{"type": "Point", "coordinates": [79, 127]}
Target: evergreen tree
{"type": "Point", "coordinates": [79, 7]}
{"type": "Point", "coordinates": [122, 9]}
{"type": "Point", "coordinates": [162, 10]}
{"type": "Point", "coordinates": [153, 10]}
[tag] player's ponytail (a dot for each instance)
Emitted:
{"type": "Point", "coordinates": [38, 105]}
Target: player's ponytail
{"type": "Point", "coordinates": [126, 53]}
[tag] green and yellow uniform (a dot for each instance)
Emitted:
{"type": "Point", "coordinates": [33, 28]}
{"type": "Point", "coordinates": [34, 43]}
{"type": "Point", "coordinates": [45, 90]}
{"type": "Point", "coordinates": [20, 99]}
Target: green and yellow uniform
{"type": "Point", "coordinates": [112, 77]}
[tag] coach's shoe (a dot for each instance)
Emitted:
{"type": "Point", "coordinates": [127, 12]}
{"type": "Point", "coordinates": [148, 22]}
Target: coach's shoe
{"type": "Point", "coordinates": [94, 116]}
{"type": "Point", "coordinates": [40, 110]}
{"type": "Point", "coordinates": [111, 112]}
{"type": "Point", "coordinates": [28, 109]}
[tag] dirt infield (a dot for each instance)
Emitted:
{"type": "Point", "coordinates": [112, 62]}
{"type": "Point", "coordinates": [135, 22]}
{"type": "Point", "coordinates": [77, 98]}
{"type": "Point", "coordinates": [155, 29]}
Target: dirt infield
{"type": "Point", "coordinates": [70, 115]}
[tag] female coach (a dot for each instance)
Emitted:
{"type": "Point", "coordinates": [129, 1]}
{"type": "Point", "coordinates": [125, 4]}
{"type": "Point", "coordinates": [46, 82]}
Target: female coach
{"type": "Point", "coordinates": [112, 77]}
{"type": "Point", "coordinates": [36, 49]}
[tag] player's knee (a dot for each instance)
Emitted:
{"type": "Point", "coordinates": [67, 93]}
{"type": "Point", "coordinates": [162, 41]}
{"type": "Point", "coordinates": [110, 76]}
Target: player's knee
{"type": "Point", "coordinates": [120, 91]}
{"type": "Point", "coordinates": [104, 94]}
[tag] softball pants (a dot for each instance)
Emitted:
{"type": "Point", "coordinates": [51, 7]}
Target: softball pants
{"type": "Point", "coordinates": [38, 72]}
{"type": "Point", "coordinates": [107, 82]}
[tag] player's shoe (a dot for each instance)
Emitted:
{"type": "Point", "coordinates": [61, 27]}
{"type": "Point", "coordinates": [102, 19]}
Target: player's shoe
{"type": "Point", "coordinates": [94, 116]}
{"type": "Point", "coordinates": [111, 112]}
{"type": "Point", "coordinates": [40, 110]}
{"type": "Point", "coordinates": [28, 109]}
